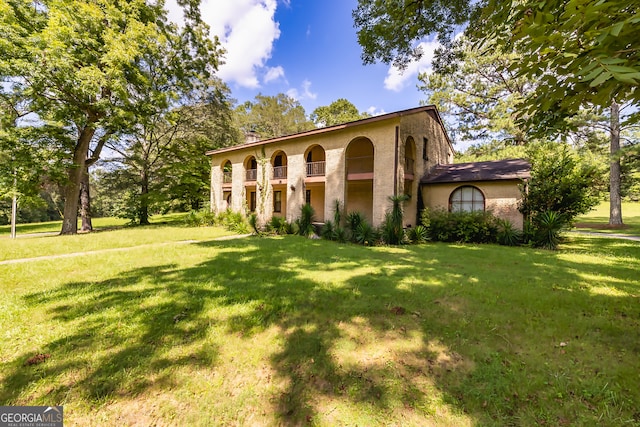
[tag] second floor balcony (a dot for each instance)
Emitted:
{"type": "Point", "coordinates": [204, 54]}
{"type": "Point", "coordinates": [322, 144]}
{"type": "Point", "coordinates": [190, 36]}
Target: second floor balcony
{"type": "Point", "coordinates": [316, 168]}
{"type": "Point", "coordinates": [251, 174]}
{"type": "Point", "coordinates": [279, 172]}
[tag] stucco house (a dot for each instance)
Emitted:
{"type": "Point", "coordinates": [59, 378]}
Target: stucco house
{"type": "Point", "coordinates": [361, 164]}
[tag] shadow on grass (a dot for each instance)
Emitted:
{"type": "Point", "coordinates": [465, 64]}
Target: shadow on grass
{"type": "Point", "coordinates": [469, 333]}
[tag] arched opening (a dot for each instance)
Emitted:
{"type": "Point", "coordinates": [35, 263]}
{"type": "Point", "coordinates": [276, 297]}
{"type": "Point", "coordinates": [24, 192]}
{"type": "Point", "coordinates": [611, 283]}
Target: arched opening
{"type": "Point", "coordinates": [466, 199]}
{"type": "Point", "coordinates": [227, 181]}
{"type": "Point", "coordinates": [251, 175]}
{"type": "Point", "coordinates": [279, 165]}
{"type": "Point", "coordinates": [227, 170]}
{"type": "Point", "coordinates": [315, 161]}
{"type": "Point", "coordinates": [314, 181]}
{"type": "Point", "coordinates": [409, 166]}
{"type": "Point", "coordinates": [279, 183]}
{"type": "Point", "coordinates": [359, 158]}
{"type": "Point", "coordinates": [251, 168]}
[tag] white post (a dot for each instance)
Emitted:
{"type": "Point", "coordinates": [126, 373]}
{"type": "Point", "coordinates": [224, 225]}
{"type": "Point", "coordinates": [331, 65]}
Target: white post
{"type": "Point", "coordinates": [14, 207]}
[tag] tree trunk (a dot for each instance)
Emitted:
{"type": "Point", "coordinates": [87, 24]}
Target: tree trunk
{"type": "Point", "coordinates": [615, 202]}
{"type": "Point", "coordinates": [85, 202]}
{"type": "Point", "coordinates": [143, 214]}
{"type": "Point", "coordinates": [75, 173]}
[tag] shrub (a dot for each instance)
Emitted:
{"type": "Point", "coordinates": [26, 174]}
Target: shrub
{"type": "Point", "coordinates": [392, 232]}
{"type": "Point", "coordinates": [508, 235]}
{"type": "Point", "coordinates": [305, 222]}
{"type": "Point", "coordinates": [560, 181]}
{"type": "Point", "coordinates": [365, 234]}
{"type": "Point", "coordinates": [233, 221]}
{"type": "Point", "coordinates": [546, 229]}
{"type": "Point", "coordinates": [464, 227]}
{"type": "Point", "coordinates": [418, 234]}
{"type": "Point", "coordinates": [279, 225]}
{"type": "Point", "coordinates": [353, 220]}
{"type": "Point", "coordinates": [328, 230]}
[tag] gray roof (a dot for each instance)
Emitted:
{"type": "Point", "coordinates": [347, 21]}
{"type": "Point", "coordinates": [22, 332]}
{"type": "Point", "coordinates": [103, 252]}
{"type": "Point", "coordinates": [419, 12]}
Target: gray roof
{"type": "Point", "coordinates": [479, 171]}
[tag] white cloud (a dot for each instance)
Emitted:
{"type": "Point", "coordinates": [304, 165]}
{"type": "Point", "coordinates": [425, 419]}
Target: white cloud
{"type": "Point", "coordinates": [397, 79]}
{"type": "Point", "coordinates": [273, 73]}
{"type": "Point", "coordinates": [373, 110]}
{"type": "Point", "coordinates": [305, 94]}
{"type": "Point", "coordinates": [247, 31]}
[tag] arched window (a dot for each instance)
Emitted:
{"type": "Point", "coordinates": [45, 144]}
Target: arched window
{"type": "Point", "coordinates": [466, 199]}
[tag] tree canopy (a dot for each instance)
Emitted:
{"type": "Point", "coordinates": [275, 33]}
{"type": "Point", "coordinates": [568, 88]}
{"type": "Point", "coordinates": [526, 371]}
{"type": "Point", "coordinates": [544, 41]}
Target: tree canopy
{"type": "Point", "coordinates": [80, 64]}
{"type": "Point", "coordinates": [272, 116]}
{"type": "Point", "coordinates": [339, 111]}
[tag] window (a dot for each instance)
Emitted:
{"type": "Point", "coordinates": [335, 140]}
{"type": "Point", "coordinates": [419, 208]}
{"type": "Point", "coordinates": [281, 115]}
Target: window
{"type": "Point", "coordinates": [307, 197]}
{"type": "Point", "coordinates": [425, 143]}
{"type": "Point", "coordinates": [277, 201]}
{"type": "Point", "coordinates": [466, 199]}
{"type": "Point", "coordinates": [252, 201]}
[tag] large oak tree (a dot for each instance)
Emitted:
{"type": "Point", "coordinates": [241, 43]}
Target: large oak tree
{"type": "Point", "coordinates": [78, 63]}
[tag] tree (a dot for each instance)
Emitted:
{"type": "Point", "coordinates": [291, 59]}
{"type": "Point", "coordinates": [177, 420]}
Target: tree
{"type": "Point", "coordinates": [338, 112]}
{"type": "Point", "coordinates": [580, 53]}
{"type": "Point", "coordinates": [561, 182]}
{"type": "Point", "coordinates": [78, 61]}
{"type": "Point", "coordinates": [480, 93]}
{"type": "Point", "coordinates": [272, 116]}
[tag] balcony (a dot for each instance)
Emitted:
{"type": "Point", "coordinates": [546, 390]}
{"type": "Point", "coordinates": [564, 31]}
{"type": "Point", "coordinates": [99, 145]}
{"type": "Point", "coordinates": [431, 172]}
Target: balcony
{"type": "Point", "coordinates": [226, 177]}
{"type": "Point", "coordinates": [315, 168]}
{"type": "Point", "coordinates": [279, 172]}
{"type": "Point", "coordinates": [360, 168]}
{"type": "Point", "coordinates": [251, 175]}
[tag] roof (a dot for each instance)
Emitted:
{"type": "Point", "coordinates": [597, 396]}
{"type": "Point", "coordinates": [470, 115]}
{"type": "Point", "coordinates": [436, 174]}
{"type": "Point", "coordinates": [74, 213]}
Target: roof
{"type": "Point", "coordinates": [328, 129]}
{"type": "Point", "coordinates": [479, 171]}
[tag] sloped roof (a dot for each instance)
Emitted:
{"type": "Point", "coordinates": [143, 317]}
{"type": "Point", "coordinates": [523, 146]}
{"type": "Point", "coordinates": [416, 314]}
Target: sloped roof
{"type": "Point", "coordinates": [479, 171]}
{"type": "Point", "coordinates": [427, 108]}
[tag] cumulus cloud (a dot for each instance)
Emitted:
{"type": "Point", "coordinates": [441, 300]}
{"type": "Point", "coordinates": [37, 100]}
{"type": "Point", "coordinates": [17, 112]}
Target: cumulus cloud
{"type": "Point", "coordinates": [304, 94]}
{"type": "Point", "coordinates": [273, 73]}
{"type": "Point", "coordinates": [374, 111]}
{"type": "Point", "coordinates": [397, 79]}
{"type": "Point", "coordinates": [246, 29]}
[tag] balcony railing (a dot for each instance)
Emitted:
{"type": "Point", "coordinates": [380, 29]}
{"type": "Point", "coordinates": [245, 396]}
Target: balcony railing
{"type": "Point", "coordinates": [315, 168]}
{"type": "Point", "coordinates": [252, 174]}
{"type": "Point", "coordinates": [279, 172]}
{"type": "Point", "coordinates": [226, 177]}
{"type": "Point", "coordinates": [361, 164]}
{"type": "Point", "coordinates": [408, 165]}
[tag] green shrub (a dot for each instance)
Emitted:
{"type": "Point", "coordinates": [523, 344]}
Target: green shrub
{"type": "Point", "coordinates": [464, 227]}
{"type": "Point", "coordinates": [546, 229]}
{"type": "Point", "coordinates": [365, 234]}
{"type": "Point", "coordinates": [279, 225]}
{"type": "Point", "coordinates": [305, 221]}
{"type": "Point", "coordinates": [353, 220]}
{"type": "Point", "coordinates": [418, 234]}
{"type": "Point", "coordinates": [508, 235]}
{"type": "Point", "coordinates": [328, 230]}
{"type": "Point", "coordinates": [233, 221]}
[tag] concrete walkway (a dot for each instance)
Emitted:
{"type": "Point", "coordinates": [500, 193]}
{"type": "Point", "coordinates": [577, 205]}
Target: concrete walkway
{"type": "Point", "coordinates": [101, 251]}
{"type": "Point", "coordinates": [607, 235]}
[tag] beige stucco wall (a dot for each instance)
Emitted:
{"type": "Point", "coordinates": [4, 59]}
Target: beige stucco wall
{"type": "Point", "coordinates": [501, 198]}
{"type": "Point", "coordinates": [388, 137]}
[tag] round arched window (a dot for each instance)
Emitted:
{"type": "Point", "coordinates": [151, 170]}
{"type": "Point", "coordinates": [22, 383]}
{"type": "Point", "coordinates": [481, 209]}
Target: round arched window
{"type": "Point", "coordinates": [466, 199]}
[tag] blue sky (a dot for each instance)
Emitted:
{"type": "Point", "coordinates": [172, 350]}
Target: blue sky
{"type": "Point", "coordinates": [307, 49]}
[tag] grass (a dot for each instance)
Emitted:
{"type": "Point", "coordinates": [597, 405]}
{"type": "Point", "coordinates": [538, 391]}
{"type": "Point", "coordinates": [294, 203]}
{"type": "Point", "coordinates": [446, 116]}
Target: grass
{"type": "Point", "coordinates": [598, 219]}
{"type": "Point", "coordinates": [290, 331]}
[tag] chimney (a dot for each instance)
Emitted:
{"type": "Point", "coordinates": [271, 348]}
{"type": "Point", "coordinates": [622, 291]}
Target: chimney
{"type": "Point", "coordinates": [251, 136]}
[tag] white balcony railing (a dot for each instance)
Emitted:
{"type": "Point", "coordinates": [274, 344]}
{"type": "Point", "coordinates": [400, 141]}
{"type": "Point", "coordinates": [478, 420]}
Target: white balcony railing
{"type": "Point", "coordinates": [316, 168]}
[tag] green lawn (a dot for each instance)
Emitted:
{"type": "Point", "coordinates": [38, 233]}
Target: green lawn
{"type": "Point", "coordinates": [598, 219]}
{"type": "Point", "coordinates": [290, 331]}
